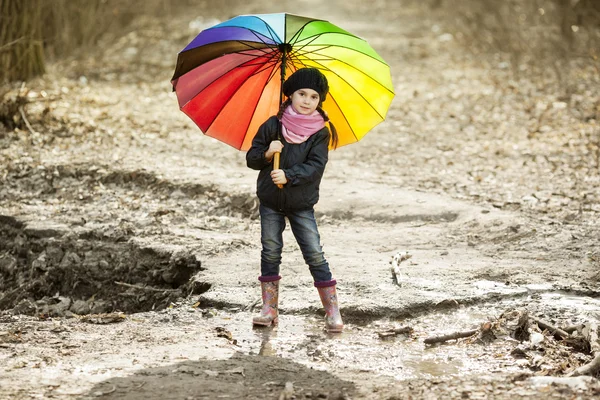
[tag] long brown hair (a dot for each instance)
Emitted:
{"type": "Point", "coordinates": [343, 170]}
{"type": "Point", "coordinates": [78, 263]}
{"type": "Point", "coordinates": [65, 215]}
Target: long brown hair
{"type": "Point", "coordinates": [333, 136]}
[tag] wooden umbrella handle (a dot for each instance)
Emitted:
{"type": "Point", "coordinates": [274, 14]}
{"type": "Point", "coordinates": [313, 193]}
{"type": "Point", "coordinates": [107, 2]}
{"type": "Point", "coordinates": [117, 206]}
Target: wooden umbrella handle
{"type": "Point", "coordinates": [276, 165]}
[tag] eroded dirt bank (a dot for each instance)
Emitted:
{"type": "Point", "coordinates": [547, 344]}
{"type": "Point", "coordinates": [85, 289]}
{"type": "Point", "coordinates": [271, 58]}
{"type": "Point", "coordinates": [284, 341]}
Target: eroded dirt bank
{"type": "Point", "coordinates": [129, 242]}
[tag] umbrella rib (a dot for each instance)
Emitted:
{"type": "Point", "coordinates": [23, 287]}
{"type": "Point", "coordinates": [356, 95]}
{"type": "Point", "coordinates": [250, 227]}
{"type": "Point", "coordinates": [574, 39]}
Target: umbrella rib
{"type": "Point", "coordinates": [323, 47]}
{"type": "Point", "coordinates": [300, 30]}
{"type": "Point", "coordinates": [248, 52]}
{"type": "Point", "coordinates": [274, 35]}
{"type": "Point", "coordinates": [272, 57]}
{"type": "Point", "coordinates": [276, 38]}
{"type": "Point", "coordinates": [328, 58]}
{"type": "Point", "coordinates": [270, 54]}
{"type": "Point", "coordinates": [353, 88]}
{"type": "Point", "coordinates": [262, 49]}
{"type": "Point", "coordinates": [292, 56]}
{"type": "Point", "coordinates": [344, 47]}
{"type": "Point", "coordinates": [317, 35]}
{"type": "Point", "coordinates": [330, 33]}
{"type": "Point", "coordinates": [264, 66]}
{"type": "Point", "coordinates": [332, 97]}
{"type": "Point", "coordinates": [302, 46]}
{"type": "Point", "coordinates": [292, 65]}
{"type": "Point", "coordinates": [293, 60]}
{"type": "Point", "coordinates": [271, 75]}
{"type": "Point", "coordinates": [303, 52]}
{"type": "Point", "coordinates": [255, 33]}
{"type": "Point", "coordinates": [353, 67]}
{"type": "Point", "coordinates": [226, 103]}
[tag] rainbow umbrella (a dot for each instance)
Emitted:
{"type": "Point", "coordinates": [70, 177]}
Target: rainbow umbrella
{"type": "Point", "coordinates": [228, 79]}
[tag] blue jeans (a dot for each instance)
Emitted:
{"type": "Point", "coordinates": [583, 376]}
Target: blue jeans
{"type": "Point", "coordinates": [304, 228]}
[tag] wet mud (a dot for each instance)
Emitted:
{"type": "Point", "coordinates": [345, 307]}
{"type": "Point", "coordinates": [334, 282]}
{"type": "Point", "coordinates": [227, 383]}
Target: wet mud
{"type": "Point", "coordinates": [52, 270]}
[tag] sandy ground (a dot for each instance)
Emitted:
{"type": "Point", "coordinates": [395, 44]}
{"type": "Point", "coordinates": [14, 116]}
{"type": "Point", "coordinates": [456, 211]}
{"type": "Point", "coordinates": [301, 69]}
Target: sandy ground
{"type": "Point", "coordinates": [493, 216]}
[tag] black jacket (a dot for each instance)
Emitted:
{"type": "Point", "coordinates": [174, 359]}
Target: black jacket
{"type": "Point", "coordinates": [303, 164]}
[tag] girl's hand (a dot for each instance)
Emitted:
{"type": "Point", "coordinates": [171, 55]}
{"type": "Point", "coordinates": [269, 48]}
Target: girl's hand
{"type": "Point", "coordinates": [278, 177]}
{"type": "Point", "coordinates": [275, 147]}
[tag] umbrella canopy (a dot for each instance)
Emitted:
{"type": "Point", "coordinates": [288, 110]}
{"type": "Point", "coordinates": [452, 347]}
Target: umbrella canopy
{"type": "Point", "coordinates": [228, 79]}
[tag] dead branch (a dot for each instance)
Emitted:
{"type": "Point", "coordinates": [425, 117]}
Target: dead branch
{"type": "Point", "coordinates": [590, 332]}
{"type": "Point", "coordinates": [105, 318]}
{"type": "Point", "coordinates": [557, 332]}
{"type": "Point", "coordinates": [396, 260]}
{"type": "Point", "coordinates": [573, 328]}
{"type": "Point", "coordinates": [405, 330]}
{"type": "Point", "coordinates": [22, 112]}
{"type": "Point", "coordinates": [147, 288]}
{"type": "Point", "coordinates": [451, 336]}
{"type": "Point", "coordinates": [588, 369]}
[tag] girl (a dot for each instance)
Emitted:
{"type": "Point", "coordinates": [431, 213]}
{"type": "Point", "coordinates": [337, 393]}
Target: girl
{"type": "Point", "coordinates": [292, 190]}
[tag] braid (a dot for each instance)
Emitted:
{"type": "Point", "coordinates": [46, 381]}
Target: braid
{"type": "Point", "coordinates": [333, 140]}
{"type": "Point", "coordinates": [282, 108]}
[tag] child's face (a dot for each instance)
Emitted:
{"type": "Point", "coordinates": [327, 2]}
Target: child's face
{"type": "Point", "coordinates": [305, 101]}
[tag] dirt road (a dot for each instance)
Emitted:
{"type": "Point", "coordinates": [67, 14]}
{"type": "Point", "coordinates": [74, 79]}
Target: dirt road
{"type": "Point", "coordinates": [114, 201]}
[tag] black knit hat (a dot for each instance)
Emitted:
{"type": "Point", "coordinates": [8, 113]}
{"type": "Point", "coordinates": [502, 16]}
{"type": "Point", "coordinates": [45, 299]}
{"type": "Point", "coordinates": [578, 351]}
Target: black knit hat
{"type": "Point", "coordinates": [307, 78]}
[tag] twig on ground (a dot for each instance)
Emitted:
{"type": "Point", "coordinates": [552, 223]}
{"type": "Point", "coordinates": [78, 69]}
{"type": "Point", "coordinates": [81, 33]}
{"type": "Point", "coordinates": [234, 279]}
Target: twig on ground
{"type": "Point", "coordinates": [147, 288]}
{"type": "Point", "coordinates": [572, 328]}
{"type": "Point", "coordinates": [451, 336]}
{"type": "Point", "coordinates": [590, 332]}
{"type": "Point", "coordinates": [396, 260]}
{"type": "Point", "coordinates": [105, 318]}
{"type": "Point", "coordinates": [557, 332]}
{"type": "Point", "coordinates": [405, 330]}
{"type": "Point", "coordinates": [100, 393]}
{"type": "Point", "coordinates": [22, 112]}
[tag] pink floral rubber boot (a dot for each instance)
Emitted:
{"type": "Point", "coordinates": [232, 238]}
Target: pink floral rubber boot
{"type": "Point", "coordinates": [333, 318]}
{"type": "Point", "coordinates": [270, 296]}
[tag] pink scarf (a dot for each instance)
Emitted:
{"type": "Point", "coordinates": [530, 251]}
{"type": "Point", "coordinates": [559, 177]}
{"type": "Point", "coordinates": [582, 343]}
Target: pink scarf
{"type": "Point", "coordinates": [297, 128]}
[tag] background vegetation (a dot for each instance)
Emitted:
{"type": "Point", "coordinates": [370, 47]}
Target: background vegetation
{"type": "Point", "coordinates": [35, 31]}
{"type": "Point", "coordinates": [534, 35]}
{"type": "Point", "coordinates": [539, 33]}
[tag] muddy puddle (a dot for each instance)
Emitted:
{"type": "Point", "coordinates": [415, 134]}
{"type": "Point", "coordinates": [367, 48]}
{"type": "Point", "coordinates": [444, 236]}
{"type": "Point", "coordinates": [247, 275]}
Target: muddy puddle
{"type": "Point", "coordinates": [218, 346]}
{"type": "Point", "coordinates": [365, 347]}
